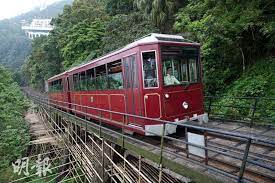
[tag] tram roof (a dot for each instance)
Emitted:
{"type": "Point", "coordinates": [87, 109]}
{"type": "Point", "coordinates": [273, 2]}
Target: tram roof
{"type": "Point", "coordinates": [151, 38]}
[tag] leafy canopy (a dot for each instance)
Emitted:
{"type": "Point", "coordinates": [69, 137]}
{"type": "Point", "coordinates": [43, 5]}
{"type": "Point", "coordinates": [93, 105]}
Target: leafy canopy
{"type": "Point", "coordinates": [233, 35]}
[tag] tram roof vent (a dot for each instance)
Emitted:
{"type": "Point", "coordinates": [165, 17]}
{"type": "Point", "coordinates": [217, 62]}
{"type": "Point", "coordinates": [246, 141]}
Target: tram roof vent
{"type": "Point", "coordinates": [153, 37]}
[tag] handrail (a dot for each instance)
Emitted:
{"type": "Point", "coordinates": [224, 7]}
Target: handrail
{"type": "Point", "coordinates": [219, 131]}
{"type": "Point", "coordinates": [251, 110]}
{"type": "Point", "coordinates": [248, 139]}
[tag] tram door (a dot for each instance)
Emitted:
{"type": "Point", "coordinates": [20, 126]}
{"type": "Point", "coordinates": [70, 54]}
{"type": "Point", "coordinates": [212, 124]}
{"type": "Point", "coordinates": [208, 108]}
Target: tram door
{"type": "Point", "coordinates": [151, 84]}
{"type": "Point", "coordinates": [131, 85]}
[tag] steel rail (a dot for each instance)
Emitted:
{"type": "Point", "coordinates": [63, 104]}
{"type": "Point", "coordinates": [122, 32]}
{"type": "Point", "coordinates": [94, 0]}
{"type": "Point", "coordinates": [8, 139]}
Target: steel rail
{"type": "Point", "coordinates": [166, 122]}
{"type": "Point", "coordinates": [224, 173]}
{"type": "Point", "coordinates": [210, 149]}
{"type": "Point", "coordinates": [238, 135]}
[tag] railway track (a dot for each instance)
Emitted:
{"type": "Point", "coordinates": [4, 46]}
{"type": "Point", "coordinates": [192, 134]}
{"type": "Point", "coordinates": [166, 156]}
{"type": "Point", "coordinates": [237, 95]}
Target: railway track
{"type": "Point", "coordinates": [149, 171]}
{"type": "Point", "coordinates": [231, 165]}
{"type": "Point", "coordinates": [226, 160]}
{"type": "Point", "coordinates": [218, 161]}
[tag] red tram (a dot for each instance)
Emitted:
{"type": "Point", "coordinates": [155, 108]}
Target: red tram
{"type": "Point", "coordinates": [158, 76]}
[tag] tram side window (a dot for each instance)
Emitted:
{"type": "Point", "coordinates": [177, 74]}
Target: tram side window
{"type": "Point", "coordinates": [51, 87]}
{"type": "Point", "coordinates": [83, 81]}
{"type": "Point", "coordinates": [76, 82]}
{"type": "Point", "coordinates": [193, 75]}
{"type": "Point", "coordinates": [60, 85]}
{"type": "Point", "coordinates": [150, 77]}
{"type": "Point", "coordinates": [101, 78]}
{"type": "Point", "coordinates": [91, 79]}
{"type": "Point", "coordinates": [56, 86]}
{"type": "Point", "coordinates": [131, 75]}
{"type": "Point", "coordinates": [115, 75]}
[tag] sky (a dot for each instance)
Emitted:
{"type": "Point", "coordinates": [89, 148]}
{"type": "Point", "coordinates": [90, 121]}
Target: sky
{"type": "Point", "coordinates": [11, 8]}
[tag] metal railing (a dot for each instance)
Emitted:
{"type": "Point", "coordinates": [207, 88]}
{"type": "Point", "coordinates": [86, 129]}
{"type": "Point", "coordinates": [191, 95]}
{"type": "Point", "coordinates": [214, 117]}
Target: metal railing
{"type": "Point", "coordinates": [250, 110]}
{"type": "Point", "coordinates": [240, 159]}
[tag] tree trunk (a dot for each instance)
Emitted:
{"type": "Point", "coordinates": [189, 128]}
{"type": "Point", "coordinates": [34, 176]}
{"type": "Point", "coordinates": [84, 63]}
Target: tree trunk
{"type": "Point", "coordinates": [243, 59]}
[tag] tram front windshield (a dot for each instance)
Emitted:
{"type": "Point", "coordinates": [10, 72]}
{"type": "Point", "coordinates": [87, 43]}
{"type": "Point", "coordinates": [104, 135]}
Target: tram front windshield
{"type": "Point", "coordinates": [180, 65]}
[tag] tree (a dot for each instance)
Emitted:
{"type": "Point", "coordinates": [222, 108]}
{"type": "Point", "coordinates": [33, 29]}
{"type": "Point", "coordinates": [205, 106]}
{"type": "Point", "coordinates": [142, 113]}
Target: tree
{"type": "Point", "coordinates": [136, 25]}
{"type": "Point", "coordinates": [161, 11]}
{"type": "Point", "coordinates": [114, 7]}
{"type": "Point", "coordinates": [233, 35]}
{"type": "Point", "coordinates": [14, 137]}
{"type": "Point", "coordinates": [84, 38]}
{"type": "Point", "coordinates": [44, 62]}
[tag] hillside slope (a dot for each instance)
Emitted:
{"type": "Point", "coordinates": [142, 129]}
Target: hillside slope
{"type": "Point", "coordinates": [256, 81]}
{"type": "Point", "coordinates": [14, 45]}
{"type": "Point", "coordinates": [14, 136]}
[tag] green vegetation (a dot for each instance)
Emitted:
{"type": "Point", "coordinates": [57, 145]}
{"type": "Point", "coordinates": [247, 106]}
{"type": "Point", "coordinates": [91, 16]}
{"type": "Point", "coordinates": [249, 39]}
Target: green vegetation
{"type": "Point", "coordinates": [237, 39]}
{"type": "Point", "coordinates": [85, 30]}
{"type": "Point", "coordinates": [14, 44]}
{"type": "Point", "coordinates": [234, 36]}
{"type": "Point", "coordinates": [14, 136]}
{"type": "Point", "coordinates": [256, 81]}
{"type": "Point", "coordinates": [43, 62]}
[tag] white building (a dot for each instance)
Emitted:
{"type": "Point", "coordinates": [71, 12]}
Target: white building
{"type": "Point", "coordinates": [37, 28]}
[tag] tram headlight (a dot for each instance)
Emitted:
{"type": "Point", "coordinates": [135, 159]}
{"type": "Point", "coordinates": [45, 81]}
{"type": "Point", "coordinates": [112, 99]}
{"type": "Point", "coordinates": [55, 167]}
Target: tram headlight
{"type": "Point", "coordinates": [166, 95]}
{"type": "Point", "coordinates": [185, 105]}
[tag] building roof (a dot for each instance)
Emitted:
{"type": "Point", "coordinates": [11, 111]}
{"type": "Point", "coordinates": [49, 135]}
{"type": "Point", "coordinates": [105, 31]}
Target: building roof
{"type": "Point", "coordinates": [39, 24]}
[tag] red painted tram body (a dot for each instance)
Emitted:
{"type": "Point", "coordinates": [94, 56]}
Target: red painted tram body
{"type": "Point", "coordinates": [158, 76]}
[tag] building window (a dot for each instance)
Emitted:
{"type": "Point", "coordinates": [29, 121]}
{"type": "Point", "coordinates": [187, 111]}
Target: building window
{"type": "Point", "coordinates": [150, 77]}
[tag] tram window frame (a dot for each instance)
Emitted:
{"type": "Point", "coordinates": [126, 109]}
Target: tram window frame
{"type": "Point", "coordinates": [76, 82]}
{"type": "Point", "coordinates": [70, 83]}
{"type": "Point", "coordinates": [51, 87]}
{"type": "Point", "coordinates": [156, 79]}
{"type": "Point", "coordinates": [56, 86]}
{"type": "Point", "coordinates": [111, 74]}
{"type": "Point", "coordinates": [185, 55]}
{"type": "Point", "coordinates": [91, 79]}
{"type": "Point", "coordinates": [101, 77]}
{"type": "Point", "coordinates": [196, 70]}
{"type": "Point", "coordinates": [130, 72]}
{"type": "Point", "coordinates": [83, 81]}
{"type": "Point", "coordinates": [135, 82]}
{"type": "Point", "coordinates": [60, 85]}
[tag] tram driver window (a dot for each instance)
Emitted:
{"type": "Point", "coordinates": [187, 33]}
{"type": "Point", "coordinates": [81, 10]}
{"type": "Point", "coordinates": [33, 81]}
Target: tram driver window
{"type": "Point", "coordinates": [150, 78]}
{"type": "Point", "coordinates": [193, 75]}
{"type": "Point", "coordinates": [180, 65]}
